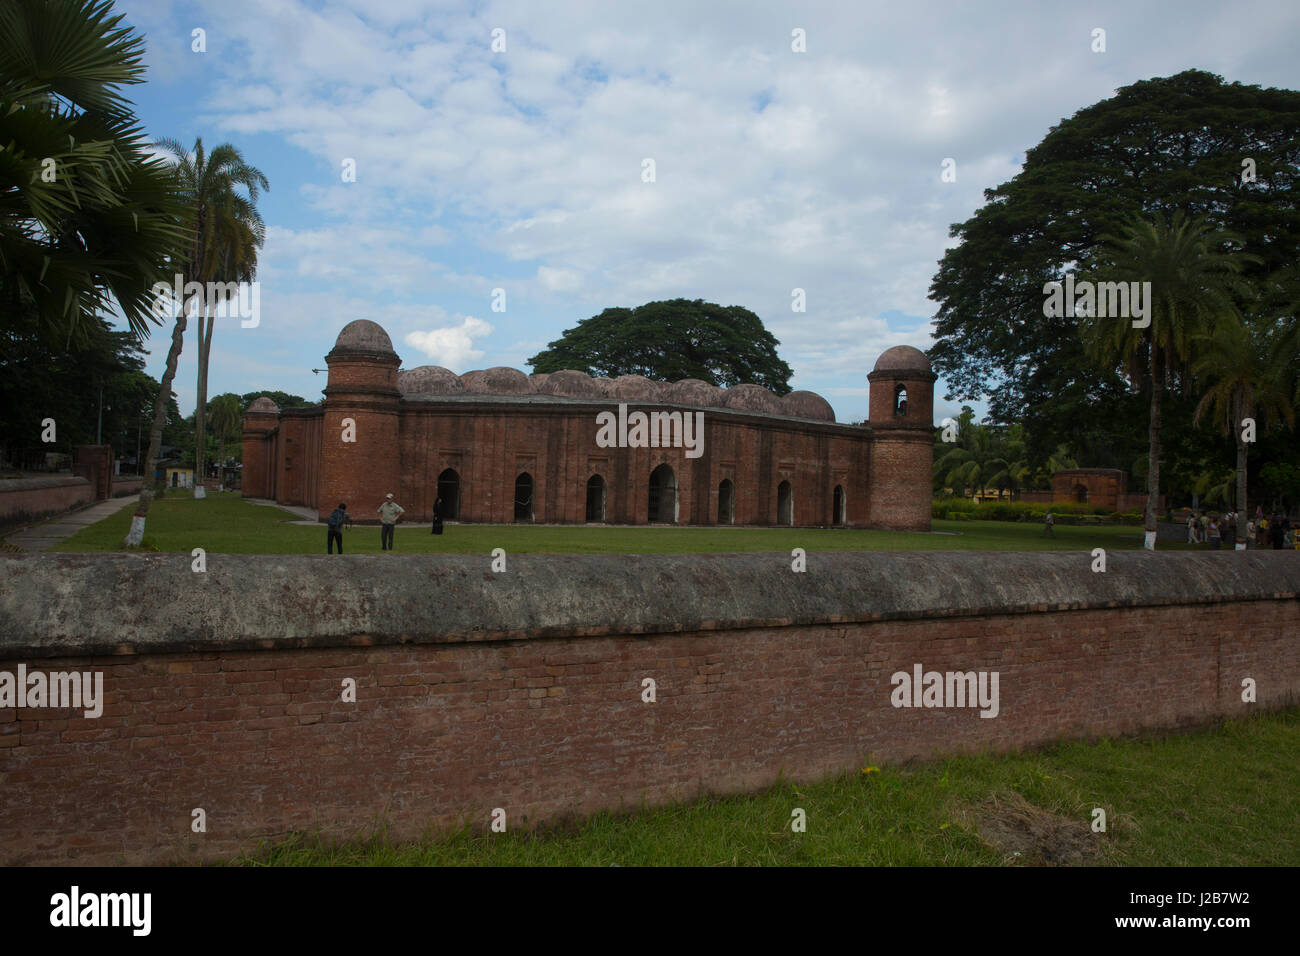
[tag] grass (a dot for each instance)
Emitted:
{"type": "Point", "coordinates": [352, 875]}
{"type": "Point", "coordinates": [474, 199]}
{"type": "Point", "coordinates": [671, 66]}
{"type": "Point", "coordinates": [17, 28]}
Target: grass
{"type": "Point", "coordinates": [1225, 796]}
{"type": "Point", "coordinates": [228, 524]}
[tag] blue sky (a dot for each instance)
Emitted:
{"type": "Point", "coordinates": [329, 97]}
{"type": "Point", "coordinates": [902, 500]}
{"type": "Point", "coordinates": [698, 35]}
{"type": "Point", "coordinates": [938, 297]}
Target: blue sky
{"type": "Point", "coordinates": [522, 169]}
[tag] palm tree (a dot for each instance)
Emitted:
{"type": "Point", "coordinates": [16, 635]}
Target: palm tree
{"type": "Point", "coordinates": [211, 201]}
{"type": "Point", "coordinates": [227, 416]}
{"type": "Point", "coordinates": [972, 462]}
{"type": "Point", "coordinates": [1192, 283]}
{"type": "Point", "coordinates": [229, 231]}
{"type": "Point", "coordinates": [1246, 369]}
{"type": "Point", "coordinates": [87, 217]}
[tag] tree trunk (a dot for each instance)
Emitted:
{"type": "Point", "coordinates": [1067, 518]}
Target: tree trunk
{"type": "Point", "coordinates": [1153, 459]}
{"type": "Point", "coordinates": [1242, 537]}
{"type": "Point", "coordinates": [206, 322]}
{"type": "Point", "coordinates": [136, 534]}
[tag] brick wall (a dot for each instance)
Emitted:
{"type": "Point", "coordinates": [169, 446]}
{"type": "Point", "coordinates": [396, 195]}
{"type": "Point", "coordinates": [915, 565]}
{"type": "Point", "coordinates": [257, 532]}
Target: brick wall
{"type": "Point", "coordinates": [25, 499]}
{"type": "Point", "coordinates": [523, 690]}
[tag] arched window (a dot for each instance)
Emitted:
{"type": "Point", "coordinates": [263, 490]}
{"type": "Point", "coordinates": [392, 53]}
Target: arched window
{"type": "Point", "coordinates": [784, 504]}
{"type": "Point", "coordinates": [838, 508]}
{"type": "Point", "coordinates": [595, 498]}
{"type": "Point", "coordinates": [663, 495]}
{"type": "Point", "coordinates": [1081, 494]}
{"type": "Point", "coordinates": [900, 400]}
{"type": "Point", "coordinates": [524, 497]}
{"type": "Point", "coordinates": [449, 493]}
{"type": "Point", "coordinates": [726, 502]}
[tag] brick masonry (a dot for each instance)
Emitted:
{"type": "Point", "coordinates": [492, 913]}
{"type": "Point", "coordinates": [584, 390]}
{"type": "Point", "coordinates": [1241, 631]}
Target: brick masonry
{"type": "Point", "coordinates": [403, 443]}
{"type": "Point", "coordinates": [523, 690]}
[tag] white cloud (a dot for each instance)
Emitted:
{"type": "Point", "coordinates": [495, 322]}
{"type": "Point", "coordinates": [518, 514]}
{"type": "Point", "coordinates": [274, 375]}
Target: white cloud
{"type": "Point", "coordinates": [453, 345]}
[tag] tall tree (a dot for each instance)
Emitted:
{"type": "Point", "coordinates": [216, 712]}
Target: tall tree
{"type": "Point", "coordinates": [87, 217]}
{"type": "Point", "coordinates": [1168, 143]}
{"type": "Point", "coordinates": [669, 341]}
{"type": "Point", "coordinates": [227, 415]}
{"type": "Point", "coordinates": [1246, 372]}
{"type": "Point", "coordinates": [1192, 283]}
{"type": "Point", "coordinates": [228, 233]}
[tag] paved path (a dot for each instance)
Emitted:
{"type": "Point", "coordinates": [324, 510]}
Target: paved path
{"type": "Point", "coordinates": [46, 535]}
{"type": "Point", "coordinates": [300, 510]}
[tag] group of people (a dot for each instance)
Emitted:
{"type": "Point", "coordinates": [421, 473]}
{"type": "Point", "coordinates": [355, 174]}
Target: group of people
{"type": "Point", "coordinates": [390, 512]}
{"type": "Point", "coordinates": [1264, 530]}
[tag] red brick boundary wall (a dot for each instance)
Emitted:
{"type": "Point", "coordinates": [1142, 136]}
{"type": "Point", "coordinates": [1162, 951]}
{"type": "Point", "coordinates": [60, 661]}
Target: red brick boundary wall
{"type": "Point", "coordinates": [25, 499]}
{"type": "Point", "coordinates": [523, 690]}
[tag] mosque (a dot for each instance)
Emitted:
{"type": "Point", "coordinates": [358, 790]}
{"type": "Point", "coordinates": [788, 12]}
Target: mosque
{"type": "Point", "coordinates": [499, 446]}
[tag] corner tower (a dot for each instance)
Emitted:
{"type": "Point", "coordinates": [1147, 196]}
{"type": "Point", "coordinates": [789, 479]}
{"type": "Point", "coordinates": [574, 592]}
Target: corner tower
{"type": "Point", "coordinates": [261, 420]}
{"type": "Point", "coordinates": [901, 415]}
{"type": "Point", "coordinates": [360, 457]}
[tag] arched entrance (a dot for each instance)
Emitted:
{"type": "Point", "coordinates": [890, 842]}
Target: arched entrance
{"type": "Point", "coordinates": [784, 504]}
{"type": "Point", "coordinates": [726, 502]}
{"type": "Point", "coordinates": [838, 508]}
{"type": "Point", "coordinates": [524, 497]}
{"type": "Point", "coordinates": [595, 498]}
{"type": "Point", "coordinates": [663, 495]}
{"type": "Point", "coordinates": [1081, 494]}
{"type": "Point", "coordinates": [449, 492]}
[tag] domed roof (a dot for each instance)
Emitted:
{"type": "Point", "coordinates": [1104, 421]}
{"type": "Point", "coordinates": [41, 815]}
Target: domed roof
{"type": "Point", "coordinates": [497, 380]}
{"type": "Point", "coordinates": [752, 398]}
{"type": "Point", "coordinates": [606, 386]}
{"type": "Point", "coordinates": [264, 404]}
{"type": "Point", "coordinates": [571, 383]}
{"type": "Point", "coordinates": [804, 404]}
{"type": "Point", "coordinates": [637, 388]}
{"type": "Point", "coordinates": [697, 392]}
{"type": "Point", "coordinates": [429, 380]}
{"type": "Point", "coordinates": [539, 379]}
{"type": "Point", "coordinates": [365, 336]}
{"type": "Point", "coordinates": [903, 357]}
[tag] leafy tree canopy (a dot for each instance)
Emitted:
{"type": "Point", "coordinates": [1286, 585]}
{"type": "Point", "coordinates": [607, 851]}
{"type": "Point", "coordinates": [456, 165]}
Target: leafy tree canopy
{"type": "Point", "coordinates": [282, 399]}
{"type": "Point", "coordinates": [672, 340]}
{"type": "Point", "coordinates": [1157, 146]}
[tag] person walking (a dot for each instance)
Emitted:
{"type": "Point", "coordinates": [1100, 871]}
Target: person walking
{"type": "Point", "coordinates": [334, 528]}
{"type": "Point", "coordinates": [389, 513]}
{"type": "Point", "coordinates": [1191, 529]}
{"type": "Point", "coordinates": [437, 516]}
{"type": "Point", "coordinates": [1215, 534]}
{"type": "Point", "coordinates": [1048, 520]}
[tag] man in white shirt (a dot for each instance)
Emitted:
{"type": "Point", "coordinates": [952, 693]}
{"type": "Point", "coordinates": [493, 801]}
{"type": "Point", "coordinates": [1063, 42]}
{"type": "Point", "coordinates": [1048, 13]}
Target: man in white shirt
{"type": "Point", "coordinates": [389, 512]}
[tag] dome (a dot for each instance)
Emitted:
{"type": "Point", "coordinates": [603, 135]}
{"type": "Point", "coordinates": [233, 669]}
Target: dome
{"type": "Point", "coordinates": [903, 357]}
{"type": "Point", "coordinates": [752, 398]}
{"type": "Point", "coordinates": [571, 383]}
{"type": "Point", "coordinates": [606, 386]}
{"type": "Point", "coordinates": [364, 336]}
{"type": "Point", "coordinates": [497, 381]}
{"type": "Point", "coordinates": [696, 392]}
{"type": "Point", "coordinates": [804, 404]}
{"type": "Point", "coordinates": [637, 388]}
{"type": "Point", "coordinates": [539, 379]}
{"type": "Point", "coordinates": [263, 405]}
{"type": "Point", "coordinates": [429, 380]}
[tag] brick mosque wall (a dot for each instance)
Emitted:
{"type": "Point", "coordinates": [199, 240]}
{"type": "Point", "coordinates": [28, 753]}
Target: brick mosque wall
{"type": "Point", "coordinates": [522, 690]}
{"type": "Point", "coordinates": [401, 443]}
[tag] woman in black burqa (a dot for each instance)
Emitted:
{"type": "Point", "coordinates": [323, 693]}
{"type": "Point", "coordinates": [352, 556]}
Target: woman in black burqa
{"type": "Point", "coordinates": [437, 516]}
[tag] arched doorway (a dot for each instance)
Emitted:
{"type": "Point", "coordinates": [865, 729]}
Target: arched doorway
{"type": "Point", "coordinates": [595, 498]}
{"type": "Point", "coordinates": [663, 495]}
{"type": "Point", "coordinates": [449, 492]}
{"type": "Point", "coordinates": [1081, 494]}
{"type": "Point", "coordinates": [784, 504]}
{"type": "Point", "coordinates": [524, 497]}
{"type": "Point", "coordinates": [900, 400]}
{"type": "Point", "coordinates": [726, 502]}
{"type": "Point", "coordinates": [838, 508]}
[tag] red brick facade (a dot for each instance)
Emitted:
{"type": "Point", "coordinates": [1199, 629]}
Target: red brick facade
{"type": "Point", "coordinates": [533, 455]}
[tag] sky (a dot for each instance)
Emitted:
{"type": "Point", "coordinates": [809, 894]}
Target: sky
{"type": "Point", "coordinates": [523, 168]}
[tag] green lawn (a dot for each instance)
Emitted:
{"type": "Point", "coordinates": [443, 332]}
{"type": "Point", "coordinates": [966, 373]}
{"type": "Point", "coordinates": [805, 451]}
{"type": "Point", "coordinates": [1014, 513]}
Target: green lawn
{"type": "Point", "coordinates": [227, 524]}
{"type": "Point", "coordinates": [1228, 796]}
